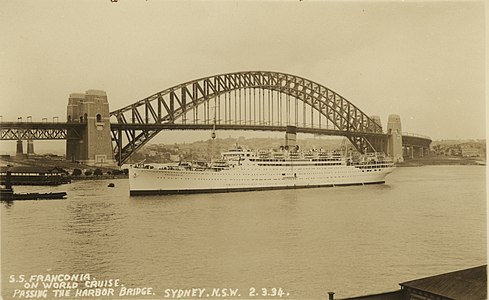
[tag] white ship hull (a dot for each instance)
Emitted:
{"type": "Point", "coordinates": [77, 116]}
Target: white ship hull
{"type": "Point", "coordinates": [249, 177]}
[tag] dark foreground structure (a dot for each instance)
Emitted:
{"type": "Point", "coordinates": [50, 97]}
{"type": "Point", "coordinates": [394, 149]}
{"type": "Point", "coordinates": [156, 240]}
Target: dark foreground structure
{"type": "Point", "coordinates": [7, 192]}
{"type": "Point", "coordinates": [25, 175]}
{"type": "Point", "coordinates": [468, 284]}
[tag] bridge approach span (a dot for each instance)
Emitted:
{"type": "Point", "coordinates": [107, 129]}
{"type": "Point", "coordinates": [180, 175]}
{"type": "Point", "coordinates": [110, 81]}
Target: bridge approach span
{"type": "Point", "coordinates": [40, 131]}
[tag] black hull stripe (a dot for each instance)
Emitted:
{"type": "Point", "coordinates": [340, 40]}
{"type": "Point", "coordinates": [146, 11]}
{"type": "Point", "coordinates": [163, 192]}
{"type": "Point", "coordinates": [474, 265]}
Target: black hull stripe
{"type": "Point", "coordinates": [248, 189]}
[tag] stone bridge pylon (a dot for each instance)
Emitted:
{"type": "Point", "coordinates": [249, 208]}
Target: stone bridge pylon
{"type": "Point", "coordinates": [94, 146]}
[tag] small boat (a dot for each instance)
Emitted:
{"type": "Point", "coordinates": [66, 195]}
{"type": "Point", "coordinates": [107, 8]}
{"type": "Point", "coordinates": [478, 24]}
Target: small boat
{"type": "Point", "coordinates": [7, 194]}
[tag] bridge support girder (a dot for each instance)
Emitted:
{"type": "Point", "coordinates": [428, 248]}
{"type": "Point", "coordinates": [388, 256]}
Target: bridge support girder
{"type": "Point", "coordinates": [415, 151]}
{"type": "Point", "coordinates": [30, 147]}
{"type": "Point", "coordinates": [20, 149]}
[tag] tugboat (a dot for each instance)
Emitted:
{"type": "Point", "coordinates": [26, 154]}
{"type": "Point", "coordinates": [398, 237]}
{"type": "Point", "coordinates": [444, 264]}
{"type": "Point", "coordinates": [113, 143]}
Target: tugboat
{"type": "Point", "coordinates": [7, 193]}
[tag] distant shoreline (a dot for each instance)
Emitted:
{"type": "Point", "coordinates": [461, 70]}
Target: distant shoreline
{"type": "Point", "coordinates": [442, 161]}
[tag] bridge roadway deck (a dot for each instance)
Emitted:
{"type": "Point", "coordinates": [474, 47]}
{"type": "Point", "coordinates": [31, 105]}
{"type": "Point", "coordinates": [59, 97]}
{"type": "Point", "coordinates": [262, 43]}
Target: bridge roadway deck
{"type": "Point", "coordinates": [40, 131]}
{"type": "Point", "coordinates": [35, 128]}
{"type": "Point", "coordinates": [411, 140]}
{"type": "Point", "coordinates": [255, 127]}
{"type": "Point", "coordinates": [178, 126]}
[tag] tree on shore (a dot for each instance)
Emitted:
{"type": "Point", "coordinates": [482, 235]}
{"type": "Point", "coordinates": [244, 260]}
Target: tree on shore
{"type": "Point", "coordinates": [116, 172]}
{"type": "Point", "coordinates": [76, 172]}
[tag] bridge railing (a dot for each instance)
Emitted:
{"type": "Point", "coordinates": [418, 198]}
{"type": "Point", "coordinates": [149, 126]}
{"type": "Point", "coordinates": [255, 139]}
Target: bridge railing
{"type": "Point", "coordinates": [416, 135]}
{"type": "Point", "coordinates": [30, 119]}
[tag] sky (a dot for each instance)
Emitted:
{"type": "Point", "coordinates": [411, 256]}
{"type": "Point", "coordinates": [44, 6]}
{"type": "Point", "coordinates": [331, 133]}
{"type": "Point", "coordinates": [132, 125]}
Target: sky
{"type": "Point", "coordinates": [424, 61]}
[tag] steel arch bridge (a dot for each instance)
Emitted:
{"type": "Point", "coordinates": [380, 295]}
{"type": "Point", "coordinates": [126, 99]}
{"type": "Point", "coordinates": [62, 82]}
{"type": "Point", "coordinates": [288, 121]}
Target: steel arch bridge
{"type": "Point", "coordinates": [252, 100]}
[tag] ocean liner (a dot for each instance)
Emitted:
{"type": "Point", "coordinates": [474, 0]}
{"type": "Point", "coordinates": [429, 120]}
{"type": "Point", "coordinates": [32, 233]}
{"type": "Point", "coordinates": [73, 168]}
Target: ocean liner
{"type": "Point", "coordinates": [241, 169]}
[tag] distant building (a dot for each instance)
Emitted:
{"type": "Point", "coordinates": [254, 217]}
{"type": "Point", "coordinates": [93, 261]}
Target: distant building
{"type": "Point", "coordinates": [468, 284]}
{"type": "Point", "coordinates": [456, 151]}
{"type": "Point", "coordinates": [470, 152]}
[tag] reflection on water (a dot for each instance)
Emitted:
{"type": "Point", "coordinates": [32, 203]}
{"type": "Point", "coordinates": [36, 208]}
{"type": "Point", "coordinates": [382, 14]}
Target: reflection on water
{"type": "Point", "coordinates": [353, 240]}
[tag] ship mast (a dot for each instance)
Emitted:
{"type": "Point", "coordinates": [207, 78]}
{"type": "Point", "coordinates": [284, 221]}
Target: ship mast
{"type": "Point", "coordinates": [213, 136]}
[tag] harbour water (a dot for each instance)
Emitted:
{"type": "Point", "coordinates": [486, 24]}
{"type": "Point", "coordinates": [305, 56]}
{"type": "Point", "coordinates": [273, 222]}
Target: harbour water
{"type": "Point", "coordinates": [351, 240]}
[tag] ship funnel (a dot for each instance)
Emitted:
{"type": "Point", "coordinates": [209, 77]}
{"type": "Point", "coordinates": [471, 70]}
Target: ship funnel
{"type": "Point", "coordinates": [290, 136]}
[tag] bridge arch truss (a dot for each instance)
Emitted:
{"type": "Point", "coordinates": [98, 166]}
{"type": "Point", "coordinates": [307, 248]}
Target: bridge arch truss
{"type": "Point", "coordinates": [253, 100]}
